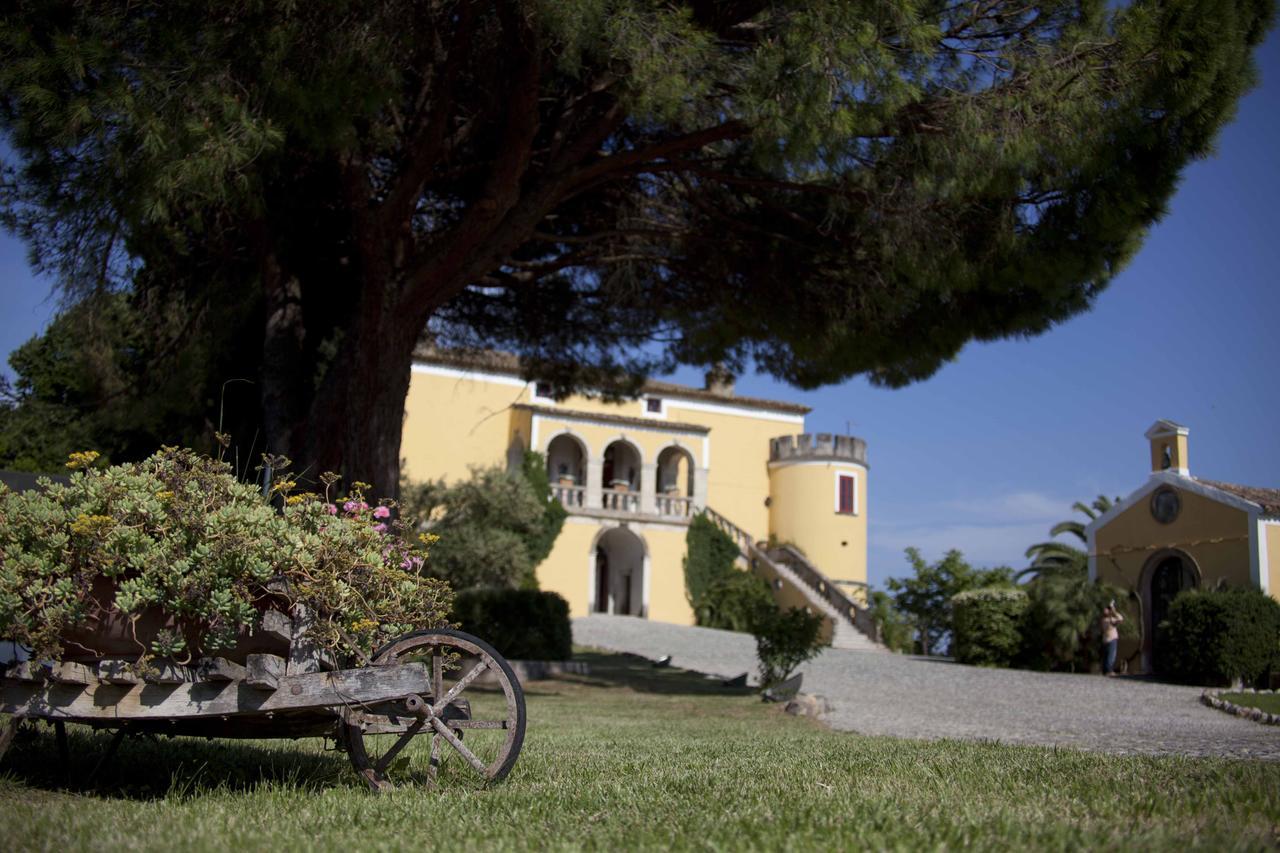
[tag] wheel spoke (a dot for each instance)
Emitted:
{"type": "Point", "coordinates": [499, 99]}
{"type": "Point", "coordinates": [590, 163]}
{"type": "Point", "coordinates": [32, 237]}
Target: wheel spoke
{"type": "Point", "coordinates": [401, 743]}
{"type": "Point", "coordinates": [433, 769]}
{"type": "Point", "coordinates": [456, 689]}
{"type": "Point", "coordinates": [457, 744]}
{"type": "Point", "coordinates": [437, 673]}
{"type": "Point", "coordinates": [478, 724]}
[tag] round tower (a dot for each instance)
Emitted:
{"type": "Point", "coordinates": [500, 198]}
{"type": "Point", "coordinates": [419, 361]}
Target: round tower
{"type": "Point", "coordinates": [818, 501]}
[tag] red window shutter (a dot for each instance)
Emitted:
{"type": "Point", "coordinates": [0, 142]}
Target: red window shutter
{"type": "Point", "coordinates": [846, 495]}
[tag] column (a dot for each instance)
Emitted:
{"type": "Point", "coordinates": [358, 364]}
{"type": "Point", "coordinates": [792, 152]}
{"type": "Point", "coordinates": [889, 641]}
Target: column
{"type": "Point", "coordinates": [595, 474]}
{"type": "Point", "coordinates": [700, 476]}
{"type": "Point", "coordinates": [649, 487]}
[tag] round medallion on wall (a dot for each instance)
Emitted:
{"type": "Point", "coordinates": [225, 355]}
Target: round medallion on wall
{"type": "Point", "coordinates": [1165, 505]}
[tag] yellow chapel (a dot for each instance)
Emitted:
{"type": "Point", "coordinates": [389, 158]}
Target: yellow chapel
{"type": "Point", "coordinates": [1178, 532]}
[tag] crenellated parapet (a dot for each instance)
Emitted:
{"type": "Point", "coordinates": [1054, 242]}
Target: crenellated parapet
{"type": "Point", "coordinates": [817, 447]}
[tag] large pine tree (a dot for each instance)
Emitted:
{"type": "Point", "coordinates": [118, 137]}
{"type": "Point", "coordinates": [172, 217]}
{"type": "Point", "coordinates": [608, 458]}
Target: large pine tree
{"type": "Point", "coordinates": [818, 189]}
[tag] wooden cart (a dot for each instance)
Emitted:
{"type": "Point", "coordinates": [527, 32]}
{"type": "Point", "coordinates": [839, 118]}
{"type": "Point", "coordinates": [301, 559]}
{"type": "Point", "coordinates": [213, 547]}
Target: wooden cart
{"type": "Point", "coordinates": [450, 687]}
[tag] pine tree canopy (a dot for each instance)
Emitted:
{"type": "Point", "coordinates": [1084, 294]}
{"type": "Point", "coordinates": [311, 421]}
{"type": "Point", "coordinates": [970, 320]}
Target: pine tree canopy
{"type": "Point", "coordinates": [813, 189]}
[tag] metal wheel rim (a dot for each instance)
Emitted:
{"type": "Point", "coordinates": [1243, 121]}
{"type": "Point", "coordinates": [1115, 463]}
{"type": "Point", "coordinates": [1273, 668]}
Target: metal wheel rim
{"type": "Point", "coordinates": [495, 770]}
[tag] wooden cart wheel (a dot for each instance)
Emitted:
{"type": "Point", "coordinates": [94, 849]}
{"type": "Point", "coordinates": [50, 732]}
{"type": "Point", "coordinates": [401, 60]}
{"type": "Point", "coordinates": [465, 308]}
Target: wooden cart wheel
{"type": "Point", "coordinates": [493, 733]}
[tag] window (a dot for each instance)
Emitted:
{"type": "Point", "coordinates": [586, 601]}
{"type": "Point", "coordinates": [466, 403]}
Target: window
{"type": "Point", "coordinates": [542, 391]}
{"type": "Point", "coordinates": [846, 494]}
{"type": "Point", "coordinates": [654, 405]}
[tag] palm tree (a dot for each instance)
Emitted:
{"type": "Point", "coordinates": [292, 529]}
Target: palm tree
{"type": "Point", "coordinates": [1063, 558]}
{"type": "Point", "coordinates": [1062, 604]}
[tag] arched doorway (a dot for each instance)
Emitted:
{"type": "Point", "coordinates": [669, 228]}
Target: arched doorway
{"type": "Point", "coordinates": [1165, 576]}
{"type": "Point", "coordinates": [619, 583]}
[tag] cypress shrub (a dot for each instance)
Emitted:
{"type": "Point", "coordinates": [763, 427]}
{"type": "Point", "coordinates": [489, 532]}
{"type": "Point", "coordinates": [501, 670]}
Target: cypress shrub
{"type": "Point", "coordinates": [721, 595]}
{"type": "Point", "coordinates": [736, 602]}
{"type": "Point", "coordinates": [522, 624]}
{"type": "Point", "coordinates": [986, 624]}
{"type": "Point", "coordinates": [1218, 636]}
{"type": "Point", "coordinates": [543, 538]}
{"type": "Point", "coordinates": [708, 563]}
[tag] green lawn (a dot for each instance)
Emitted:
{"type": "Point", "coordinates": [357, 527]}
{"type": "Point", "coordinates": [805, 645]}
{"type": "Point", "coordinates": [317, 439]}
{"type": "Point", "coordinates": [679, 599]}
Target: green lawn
{"type": "Point", "coordinates": [1269, 702]}
{"type": "Point", "coordinates": [640, 758]}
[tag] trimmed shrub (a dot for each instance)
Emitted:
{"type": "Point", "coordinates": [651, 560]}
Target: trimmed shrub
{"type": "Point", "coordinates": [522, 624]}
{"type": "Point", "coordinates": [1214, 637]}
{"type": "Point", "coordinates": [986, 625]}
{"type": "Point", "coordinates": [784, 640]}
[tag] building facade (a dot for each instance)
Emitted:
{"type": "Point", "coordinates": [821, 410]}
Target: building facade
{"type": "Point", "coordinates": [1178, 532]}
{"type": "Point", "coordinates": [633, 474]}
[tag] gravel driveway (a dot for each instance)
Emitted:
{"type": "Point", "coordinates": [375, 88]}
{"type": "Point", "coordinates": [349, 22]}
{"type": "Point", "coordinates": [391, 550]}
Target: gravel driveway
{"type": "Point", "coordinates": [878, 693]}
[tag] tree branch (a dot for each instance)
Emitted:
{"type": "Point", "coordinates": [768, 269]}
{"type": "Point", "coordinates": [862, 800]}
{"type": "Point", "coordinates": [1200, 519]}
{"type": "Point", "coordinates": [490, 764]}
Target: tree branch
{"type": "Point", "coordinates": [429, 138]}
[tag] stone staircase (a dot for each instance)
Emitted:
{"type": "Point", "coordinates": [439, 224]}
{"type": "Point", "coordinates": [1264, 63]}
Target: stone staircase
{"type": "Point", "coordinates": [851, 624]}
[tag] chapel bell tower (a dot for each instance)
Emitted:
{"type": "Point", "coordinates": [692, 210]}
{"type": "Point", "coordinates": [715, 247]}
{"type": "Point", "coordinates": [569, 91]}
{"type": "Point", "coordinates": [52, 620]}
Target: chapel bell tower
{"type": "Point", "coordinates": [1168, 447]}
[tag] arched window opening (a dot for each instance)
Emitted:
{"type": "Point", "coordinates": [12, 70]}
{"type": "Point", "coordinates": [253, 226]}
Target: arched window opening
{"type": "Point", "coordinates": [675, 482]}
{"type": "Point", "coordinates": [566, 470]}
{"type": "Point", "coordinates": [621, 476]}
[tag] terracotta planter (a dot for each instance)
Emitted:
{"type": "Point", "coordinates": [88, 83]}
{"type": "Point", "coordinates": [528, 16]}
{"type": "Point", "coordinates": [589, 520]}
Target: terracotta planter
{"type": "Point", "coordinates": [108, 633]}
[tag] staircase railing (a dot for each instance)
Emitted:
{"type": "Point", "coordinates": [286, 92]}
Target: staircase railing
{"type": "Point", "coordinates": [857, 613]}
{"type": "Point", "coordinates": [831, 599]}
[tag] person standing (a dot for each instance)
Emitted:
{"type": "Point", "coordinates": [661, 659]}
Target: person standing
{"type": "Point", "coordinates": [1111, 618]}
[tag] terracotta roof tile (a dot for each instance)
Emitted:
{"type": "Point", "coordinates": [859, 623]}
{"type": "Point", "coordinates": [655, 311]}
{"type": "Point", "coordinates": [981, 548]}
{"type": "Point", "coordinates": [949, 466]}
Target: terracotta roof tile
{"type": "Point", "coordinates": [505, 362]}
{"type": "Point", "coordinates": [1268, 499]}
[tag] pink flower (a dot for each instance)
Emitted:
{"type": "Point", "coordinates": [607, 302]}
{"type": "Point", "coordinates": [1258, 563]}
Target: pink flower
{"type": "Point", "coordinates": [381, 528]}
{"type": "Point", "coordinates": [350, 506]}
{"type": "Point", "coordinates": [382, 512]}
{"type": "Point", "coordinates": [331, 509]}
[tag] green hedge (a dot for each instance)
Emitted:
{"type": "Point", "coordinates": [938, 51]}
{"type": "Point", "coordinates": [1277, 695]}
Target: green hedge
{"type": "Point", "coordinates": [986, 625]}
{"type": "Point", "coordinates": [522, 624]}
{"type": "Point", "coordinates": [1217, 636]}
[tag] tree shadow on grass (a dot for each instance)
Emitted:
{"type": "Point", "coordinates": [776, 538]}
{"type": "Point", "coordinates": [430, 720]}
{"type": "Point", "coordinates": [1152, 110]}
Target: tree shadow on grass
{"type": "Point", "coordinates": [614, 670]}
{"type": "Point", "coordinates": [150, 768]}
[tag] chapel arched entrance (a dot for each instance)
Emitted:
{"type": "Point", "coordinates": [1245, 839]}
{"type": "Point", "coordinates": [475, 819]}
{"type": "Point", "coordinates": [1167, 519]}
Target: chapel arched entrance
{"type": "Point", "coordinates": [1166, 575]}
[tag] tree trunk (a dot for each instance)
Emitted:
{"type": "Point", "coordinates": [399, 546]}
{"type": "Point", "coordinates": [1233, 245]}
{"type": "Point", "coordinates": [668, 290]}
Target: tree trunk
{"type": "Point", "coordinates": [356, 418]}
{"type": "Point", "coordinates": [343, 411]}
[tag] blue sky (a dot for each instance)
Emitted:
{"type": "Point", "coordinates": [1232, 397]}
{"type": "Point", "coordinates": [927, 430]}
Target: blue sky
{"type": "Point", "coordinates": [995, 448]}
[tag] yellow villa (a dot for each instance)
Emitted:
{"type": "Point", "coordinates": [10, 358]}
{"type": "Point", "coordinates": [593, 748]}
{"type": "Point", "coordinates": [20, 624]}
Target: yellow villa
{"type": "Point", "coordinates": [633, 474]}
{"type": "Point", "coordinates": [1180, 532]}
